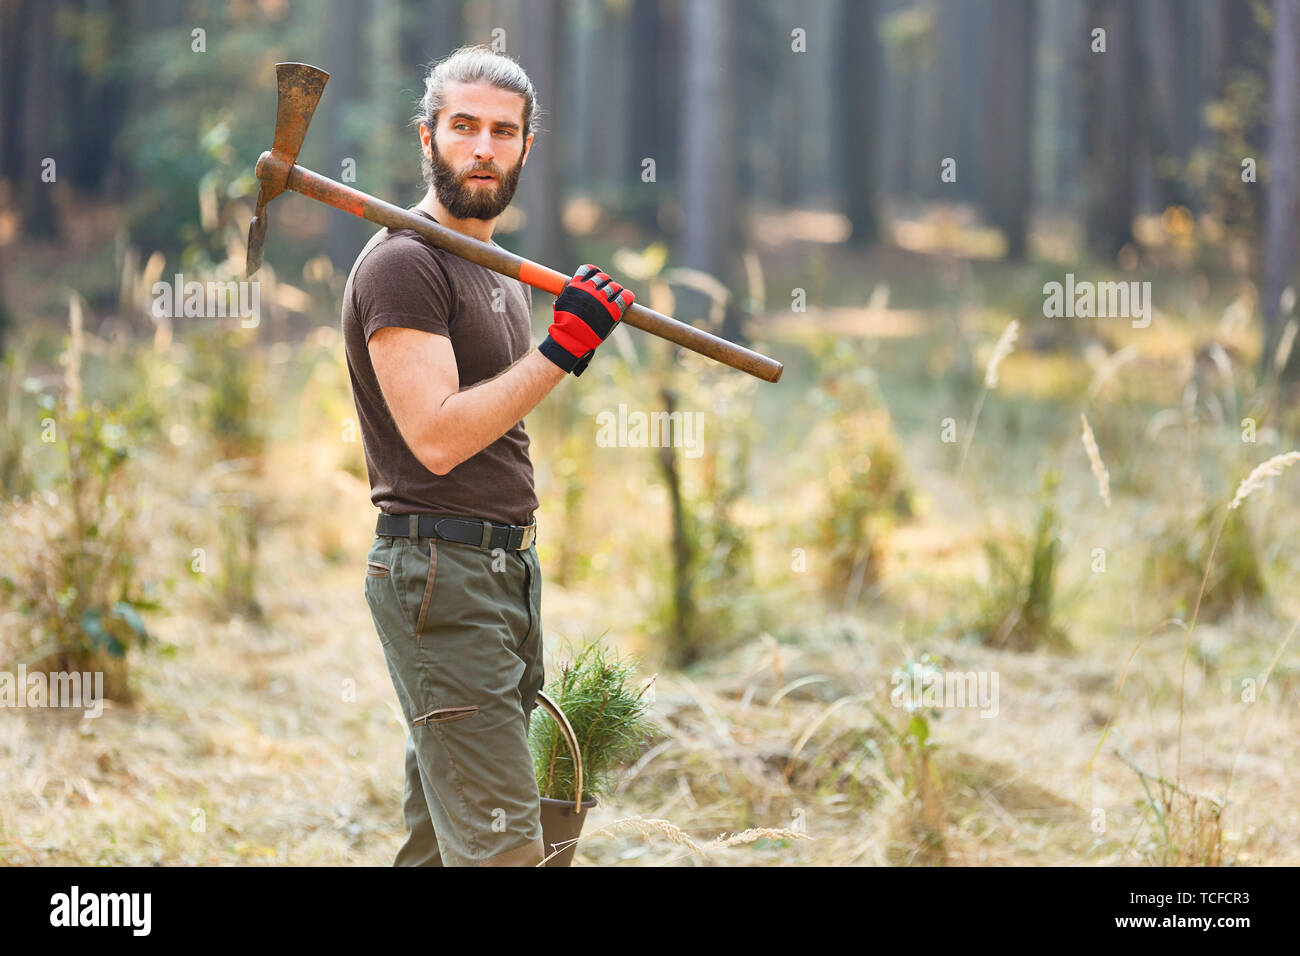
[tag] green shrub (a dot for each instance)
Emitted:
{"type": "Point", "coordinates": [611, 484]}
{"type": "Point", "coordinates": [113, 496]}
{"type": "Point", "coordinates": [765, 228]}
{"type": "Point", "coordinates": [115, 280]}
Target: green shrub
{"type": "Point", "coordinates": [709, 599]}
{"type": "Point", "coordinates": [1017, 607]}
{"type": "Point", "coordinates": [609, 717]}
{"type": "Point", "coordinates": [233, 412]}
{"type": "Point", "coordinates": [14, 476]}
{"type": "Point", "coordinates": [1179, 557]}
{"type": "Point", "coordinates": [859, 465]}
{"type": "Point", "coordinates": [71, 568]}
{"type": "Point", "coordinates": [918, 827]}
{"type": "Point", "coordinates": [1185, 830]}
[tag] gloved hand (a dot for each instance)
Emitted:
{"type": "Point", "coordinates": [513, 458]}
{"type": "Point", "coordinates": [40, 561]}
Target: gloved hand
{"type": "Point", "coordinates": [586, 311]}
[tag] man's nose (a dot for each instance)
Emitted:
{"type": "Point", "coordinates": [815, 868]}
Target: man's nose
{"type": "Point", "coordinates": [483, 150]}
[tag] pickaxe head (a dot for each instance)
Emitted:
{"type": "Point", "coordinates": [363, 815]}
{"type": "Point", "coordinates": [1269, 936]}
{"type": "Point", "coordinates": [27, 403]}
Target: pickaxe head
{"type": "Point", "coordinates": [300, 86]}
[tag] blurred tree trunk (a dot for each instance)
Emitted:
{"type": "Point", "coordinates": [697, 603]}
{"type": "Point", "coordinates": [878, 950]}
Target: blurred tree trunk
{"type": "Point", "coordinates": [74, 86]}
{"type": "Point", "coordinates": [539, 186]}
{"type": "Point", "coordinates": [754, 86]}
{"type": "Point", "coordinates": [1161, 97]}
{"type": "Point", "coordinates": [857, 57]}
{"type": "Point", "coordinates": [669, 147]}
{"type": "Point", "coordinates": [969, 67]}
{"type": "Point", "coordinates": [433, 28]}
{"type": "Point", "coordinates": [712, 236]}
{"type": "Point", "coordinates": [647, 108]}
{"type": "Point", "coordinates": [1056, 105]}
{"type": "Point", "coordinates": [110, 102]}
{"type": "Point", "coordinates": [791, 130]}
{"type": "Point", "coordinates": [707, 197]}
{"type": "Point", "coordinates": [1190, 90]}
{"type": "Point", "coordinates": [11, 88]}
{"type": "Point", "coordinates": [1283, 212]}
{"type": "Point", "coordinates": [1230, 32]}
{"type": "Point", "coordinates": [35, 196]}
{"type": "Point", "coordinates": [952, 42]}
{"type": "Point", "coordinates": [1112, 136]}
{"type": "Point", "coordinates": [1009, 111]}
{"type": "Point", "coordinates": [346, 33]}
{"type": "Point", "coordinates": [907, 171]}
{"type": "Point", "coordinates": [682, 640]}
{"type": "Point", "coordinates": [598, 88]}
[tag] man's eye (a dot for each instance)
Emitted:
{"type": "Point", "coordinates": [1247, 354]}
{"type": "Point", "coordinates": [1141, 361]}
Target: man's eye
{"type": "Point", "coordinates": [460, 126]}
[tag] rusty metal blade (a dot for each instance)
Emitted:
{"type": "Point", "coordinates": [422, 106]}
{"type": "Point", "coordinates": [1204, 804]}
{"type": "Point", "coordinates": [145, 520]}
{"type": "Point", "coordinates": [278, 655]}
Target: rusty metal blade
{"type": "Point", "coordinates": [256, 240]}
{"type": "Point", "coordinates": [300, 87]}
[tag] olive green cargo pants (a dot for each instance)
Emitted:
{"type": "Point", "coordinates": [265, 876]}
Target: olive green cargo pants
{"type": "Point", "coordinates": [462, 634]}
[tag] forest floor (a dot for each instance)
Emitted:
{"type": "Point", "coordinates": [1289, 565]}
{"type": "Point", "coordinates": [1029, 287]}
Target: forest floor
{"type": "Point", "coordinates": [276, 739]}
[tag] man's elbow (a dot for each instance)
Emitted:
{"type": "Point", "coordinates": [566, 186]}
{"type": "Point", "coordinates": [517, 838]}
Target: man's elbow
{"type": "Point", "coordinates": [436, 459]}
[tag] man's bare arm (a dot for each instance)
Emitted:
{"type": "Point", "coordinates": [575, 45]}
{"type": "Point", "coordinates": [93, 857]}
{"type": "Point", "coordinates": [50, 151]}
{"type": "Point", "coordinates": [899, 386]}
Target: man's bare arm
{"type": "Point", "coordinates": [443, 425]}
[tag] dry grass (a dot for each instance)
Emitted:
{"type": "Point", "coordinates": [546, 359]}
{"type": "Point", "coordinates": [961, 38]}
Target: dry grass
{"type": "Point", "coordinates": [278, 742]}
{"type": "Point", "coordinates": [1094, 459]}
{"type": "Point", "coordinates": [1258, 478]}
{"type": "Point", "coordinates": [257, 728]}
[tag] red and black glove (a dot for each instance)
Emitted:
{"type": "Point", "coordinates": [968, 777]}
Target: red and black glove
{"type": "Point", "coordinates": [586, 311]}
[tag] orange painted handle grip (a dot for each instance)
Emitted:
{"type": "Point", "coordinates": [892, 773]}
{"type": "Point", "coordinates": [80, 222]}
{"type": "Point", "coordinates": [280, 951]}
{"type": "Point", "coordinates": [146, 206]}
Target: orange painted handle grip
{"type": "Point", "coordinates": [540, 277]}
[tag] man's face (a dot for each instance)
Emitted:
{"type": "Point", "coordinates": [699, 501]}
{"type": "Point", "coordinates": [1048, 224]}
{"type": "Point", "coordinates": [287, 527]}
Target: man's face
{"type": "Point", "coordinates": [478, 151]}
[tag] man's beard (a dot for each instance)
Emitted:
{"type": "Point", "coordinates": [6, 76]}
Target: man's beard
{"type": "Point", "coordinates": [472, 202]}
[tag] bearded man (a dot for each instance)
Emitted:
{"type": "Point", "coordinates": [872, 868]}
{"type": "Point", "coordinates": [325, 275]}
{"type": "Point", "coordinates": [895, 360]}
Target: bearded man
{"type": "Point", "coordinates": [443, 374]}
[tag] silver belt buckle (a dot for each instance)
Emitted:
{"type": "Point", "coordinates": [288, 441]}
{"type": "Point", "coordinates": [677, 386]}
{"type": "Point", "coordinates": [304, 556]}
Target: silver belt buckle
{"type": "Point", "coordinates": [530, 533]}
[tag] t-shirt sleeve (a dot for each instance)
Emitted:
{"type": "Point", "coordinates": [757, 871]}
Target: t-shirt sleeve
{"type": "Point", "coordinates": [399, 284]}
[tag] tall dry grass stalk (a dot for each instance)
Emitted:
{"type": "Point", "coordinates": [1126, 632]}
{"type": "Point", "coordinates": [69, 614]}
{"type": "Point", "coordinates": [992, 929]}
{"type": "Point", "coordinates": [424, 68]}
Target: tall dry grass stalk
{"type": "Point", "coordinates": [1284, 346]}
{"type": "Point", "coordinates": [71, 358]}
{"type": "Point", "coordinates": [1252, 483]}
{"type": "Point", "coordinates": [1094, 456]}
{"type": "Point", "coordinates": [1259, 477]}
{"type": "Point", "coordinates": [1004, 347]}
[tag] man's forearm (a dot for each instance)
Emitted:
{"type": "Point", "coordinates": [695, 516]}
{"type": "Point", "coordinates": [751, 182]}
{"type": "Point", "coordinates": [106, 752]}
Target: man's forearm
{"type": "Point", "coordinates": [475, 417]}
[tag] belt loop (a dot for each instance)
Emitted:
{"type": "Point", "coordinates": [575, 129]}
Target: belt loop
{"type": "Point", "coordinates": [414, 531]}
{"type": "Point", "coordinates": [487, 534]}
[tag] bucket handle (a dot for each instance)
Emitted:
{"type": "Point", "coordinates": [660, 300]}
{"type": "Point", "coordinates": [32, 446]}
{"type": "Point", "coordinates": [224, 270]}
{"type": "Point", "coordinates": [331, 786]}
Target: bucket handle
{"type": "Point", "coordinates": [570, 738]}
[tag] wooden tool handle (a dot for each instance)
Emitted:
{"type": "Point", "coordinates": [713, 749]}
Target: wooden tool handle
{"type": "Point", "coordinates": [492, 257]}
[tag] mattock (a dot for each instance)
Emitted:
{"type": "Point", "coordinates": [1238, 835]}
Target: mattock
{"type": "Point", "coordinates": [300, 86]}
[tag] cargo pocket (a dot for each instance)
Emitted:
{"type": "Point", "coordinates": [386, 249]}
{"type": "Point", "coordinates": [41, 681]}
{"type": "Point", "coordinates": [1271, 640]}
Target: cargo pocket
{"type": "Point", "coordinates": [430, 575]}
{"type": "Point", "coordinates": [442, 715]}
{"type": "Point", "coordinates": [383, 567]}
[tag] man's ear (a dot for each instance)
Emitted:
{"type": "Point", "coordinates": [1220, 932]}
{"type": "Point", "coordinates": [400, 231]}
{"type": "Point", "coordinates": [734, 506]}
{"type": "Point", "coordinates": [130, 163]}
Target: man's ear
{"type": "Point", "coordinates": [528, 149]}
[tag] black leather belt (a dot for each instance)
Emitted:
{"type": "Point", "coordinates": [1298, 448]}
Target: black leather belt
{"type": "Point", "coordinates": [481, 534]}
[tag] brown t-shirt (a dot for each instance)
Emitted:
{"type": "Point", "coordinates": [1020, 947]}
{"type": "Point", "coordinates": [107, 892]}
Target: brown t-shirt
{"type": "Point", "coordinates": [400, 279]}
